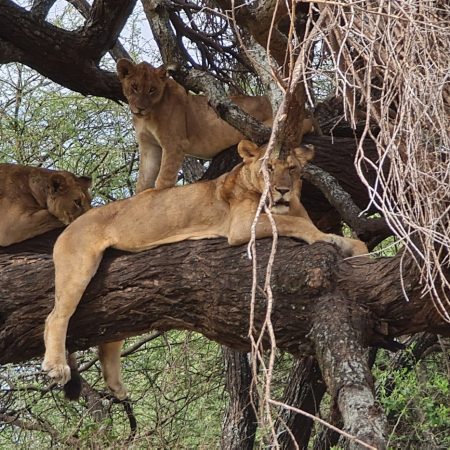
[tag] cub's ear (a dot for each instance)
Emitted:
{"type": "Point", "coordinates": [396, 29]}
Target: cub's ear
{"type": "Point", "coordinates": [248, 150]}
{"type": "Point", "coordinates": [304, 153]}
{"type": "Point", "coordinates": [58, 183]}
{"type": "Point", "coordinates": [161, 72]}
{"type": "Point", "coordinates": [124, 67]}
{"type": "Point", "coordinates": [85, 182]}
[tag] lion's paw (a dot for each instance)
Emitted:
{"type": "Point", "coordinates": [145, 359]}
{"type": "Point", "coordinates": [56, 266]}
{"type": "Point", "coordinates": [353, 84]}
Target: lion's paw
{"type": "Point", "coordinates": [60, 373]}
{"type": "Point", "coordinates": [348, 246]}
{"type": "Point", "coordinates": [119, 392]}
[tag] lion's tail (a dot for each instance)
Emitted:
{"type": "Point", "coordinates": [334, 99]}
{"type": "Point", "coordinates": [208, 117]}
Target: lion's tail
{"type": "Point", "coordinates": [72, 389]}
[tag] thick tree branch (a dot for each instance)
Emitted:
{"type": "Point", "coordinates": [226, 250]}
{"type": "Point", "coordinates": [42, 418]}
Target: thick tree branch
{"type": "Point", "coordinates": [240, 423]}
{"type": "Point", "coordinates": [69, 58]}
{"type": "Point", "coordinates": [369, 230]}
{"type": "Point", "coordinates": [344, 364]}
{"type": "Point", "coordinates": [208, 292]}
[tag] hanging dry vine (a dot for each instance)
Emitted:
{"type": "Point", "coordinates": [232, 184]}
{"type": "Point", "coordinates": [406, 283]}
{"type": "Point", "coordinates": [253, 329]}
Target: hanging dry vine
{"type": "Point", "coordinates": [391, 65]}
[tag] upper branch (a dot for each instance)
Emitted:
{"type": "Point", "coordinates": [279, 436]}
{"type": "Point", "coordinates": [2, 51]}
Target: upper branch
{"type": "Point", "coordinates": [69, 58]}
{"type": "Point", "coordinates": [106, 20]}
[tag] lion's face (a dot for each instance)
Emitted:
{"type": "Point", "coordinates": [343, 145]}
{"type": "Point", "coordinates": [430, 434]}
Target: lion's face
{"type": "Point", "coordinates": [284, 176]}
{"type": "Point", "coordinates": [68, 196]}
{"type": "Point", "coordinates": [142, 85]}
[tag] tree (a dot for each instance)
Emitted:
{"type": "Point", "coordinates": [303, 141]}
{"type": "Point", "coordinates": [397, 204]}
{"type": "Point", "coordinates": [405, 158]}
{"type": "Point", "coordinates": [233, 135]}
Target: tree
{"type": "Point", "coordinates": [307, 40]}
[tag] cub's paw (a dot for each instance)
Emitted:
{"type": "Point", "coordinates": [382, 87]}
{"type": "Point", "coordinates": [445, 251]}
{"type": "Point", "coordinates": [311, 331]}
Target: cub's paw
{"type": "Point", "coordinates": [60, 373]}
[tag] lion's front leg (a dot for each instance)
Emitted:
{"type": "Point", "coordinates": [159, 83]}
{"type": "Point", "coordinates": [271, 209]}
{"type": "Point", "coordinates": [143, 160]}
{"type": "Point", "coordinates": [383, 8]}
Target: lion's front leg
{"type": "Point", "coordinates": [150, 155]}
{"type": "Point", "coordinates": [290, 226]}
{"type": "Point", "coordinates": [170, 165]}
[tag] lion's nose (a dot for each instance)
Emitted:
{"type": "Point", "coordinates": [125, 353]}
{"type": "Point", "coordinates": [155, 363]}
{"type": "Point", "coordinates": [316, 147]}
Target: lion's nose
{"type": "Point", "coordinates": [282, 190]}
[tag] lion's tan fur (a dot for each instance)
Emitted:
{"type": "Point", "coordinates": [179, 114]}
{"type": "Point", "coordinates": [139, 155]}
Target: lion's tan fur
{"type": "Point", "coordinates": [171, 123]}
{"type": "Point", "coordinates": [224, 207]}
{"type": "Point", "coordinates": [34, 200]}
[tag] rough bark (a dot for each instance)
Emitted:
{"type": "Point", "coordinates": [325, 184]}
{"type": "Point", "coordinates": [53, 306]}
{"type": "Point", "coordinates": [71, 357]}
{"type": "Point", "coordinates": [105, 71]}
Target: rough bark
{"type": "Point", "coordinates": [339, 336]}
{"type": "Point", "coordinates": [240, 423]}
{"type": "Point", "coordinates": [70, 58]}
{"type": "Point", "coordinates": [208, 290]}
{"type": "Point", "coordinates": [304, 390]}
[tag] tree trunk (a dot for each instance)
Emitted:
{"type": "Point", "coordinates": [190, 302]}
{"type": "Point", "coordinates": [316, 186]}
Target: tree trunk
{"type": "Point", "coordinates": [304, 390]}
{"type": "Point", "coordinates": [239, 427]}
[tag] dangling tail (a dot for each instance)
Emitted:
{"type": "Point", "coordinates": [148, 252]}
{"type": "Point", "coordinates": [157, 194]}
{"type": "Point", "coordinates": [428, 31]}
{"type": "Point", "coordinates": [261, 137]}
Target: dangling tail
{"type": "Point", "coordinates": [72, 389]}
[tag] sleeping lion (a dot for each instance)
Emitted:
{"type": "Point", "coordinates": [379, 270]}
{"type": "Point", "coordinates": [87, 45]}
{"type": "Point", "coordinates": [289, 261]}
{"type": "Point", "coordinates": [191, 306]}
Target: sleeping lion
{"type": "Point", "coordinates": [34, 200]}
{"type": "Point", "coordinates": [231, 200]}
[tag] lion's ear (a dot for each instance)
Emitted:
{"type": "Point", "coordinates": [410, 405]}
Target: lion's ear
{"type": "Point", "coordinates": [248, 150]}
{"type": "Point", "coordinates": [84, 181]}
{"type": "Point", "coordinates": [124, 67]}
{"type": "Point", "coordinates": [58, 183]}
{"type": "Point", "coordinates": [304, 154]}
{"type": "Point", "coordinates": [161, 71]}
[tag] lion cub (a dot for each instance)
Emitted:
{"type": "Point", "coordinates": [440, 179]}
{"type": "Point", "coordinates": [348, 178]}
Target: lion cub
{"type": "Point", "coordinates": [155, 218]}
{"type": "Point", "coordinates": [34, 200]}
{"type": "Point", "coordinates": [171, 123]}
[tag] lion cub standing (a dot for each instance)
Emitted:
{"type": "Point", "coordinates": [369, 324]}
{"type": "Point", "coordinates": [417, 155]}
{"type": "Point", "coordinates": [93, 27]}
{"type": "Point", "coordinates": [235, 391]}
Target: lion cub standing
{"type": "Point", "coordinates": [171, 123]}
{"type": "Point", "coordinates": [34, 200]}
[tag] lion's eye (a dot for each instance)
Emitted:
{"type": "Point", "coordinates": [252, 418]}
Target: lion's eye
{"type": "Point", "coordinates": [270, 167]}
{"type": "Point", "coordinates": [292, 169]}
{"type": "Point", "coordinates": [78, 203]}
{"type": "Point", "coordinates": [151, 90]}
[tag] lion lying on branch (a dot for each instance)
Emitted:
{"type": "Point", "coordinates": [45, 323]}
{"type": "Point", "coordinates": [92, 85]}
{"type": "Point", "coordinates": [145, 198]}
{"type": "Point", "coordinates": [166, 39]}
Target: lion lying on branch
{"type": "Point", "coordinates": [34, 200]}
{"type": "Point", "coordinates": [224, 207]}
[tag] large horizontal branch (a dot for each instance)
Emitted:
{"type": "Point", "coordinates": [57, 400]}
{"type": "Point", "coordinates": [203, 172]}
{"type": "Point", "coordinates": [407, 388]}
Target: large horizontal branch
{"type": "Point", "coordinates": [69, 58]}
{"type": "Point", "coordinates": [205, 286]}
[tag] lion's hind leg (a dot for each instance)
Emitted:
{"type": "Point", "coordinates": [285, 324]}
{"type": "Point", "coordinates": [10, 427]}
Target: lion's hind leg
{"type": "Point", "coordinates": [109, 354]}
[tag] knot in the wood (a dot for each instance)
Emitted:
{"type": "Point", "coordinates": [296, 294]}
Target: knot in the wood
{"type": "Point", "coordinates": [316, 279]}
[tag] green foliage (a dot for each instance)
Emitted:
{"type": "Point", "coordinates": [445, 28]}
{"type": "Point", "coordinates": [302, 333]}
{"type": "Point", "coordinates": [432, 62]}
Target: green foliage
{"type": "Point", "coordinates": [47, 126]}
{"type": "Point", "coordinates": [415, 401]}
{"type": "Point", "coordinates": [176, 385]}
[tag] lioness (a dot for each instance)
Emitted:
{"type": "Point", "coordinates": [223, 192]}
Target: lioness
{"type": "Point", "coordinates": [224, 207]}
{"type": "Point", "coordinates": [171, 123]}
{"type": "Point", "coordinates": [34, 200]}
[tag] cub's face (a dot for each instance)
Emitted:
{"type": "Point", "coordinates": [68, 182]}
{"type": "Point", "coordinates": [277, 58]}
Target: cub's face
{"type": "Point", "coordinates": [284, 176]}
{"type": "Point", "coordinates": [68, 196]}
{"type": "Point", "coordinates": [142, 85]}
